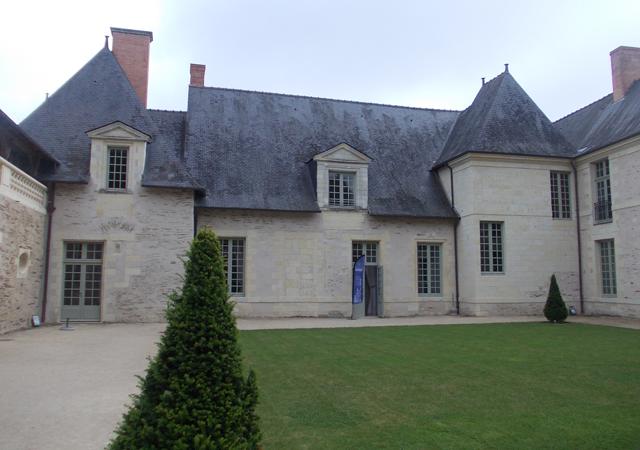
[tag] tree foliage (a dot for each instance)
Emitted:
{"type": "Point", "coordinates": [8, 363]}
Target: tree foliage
{"type": "Point", "coordinates": [194, 395]}
{"type": "Point", "coordinates": [555, 310]}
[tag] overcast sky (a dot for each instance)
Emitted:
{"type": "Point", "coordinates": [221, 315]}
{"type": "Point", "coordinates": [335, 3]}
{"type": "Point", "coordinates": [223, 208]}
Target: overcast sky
{"type": "Point", "coordinates": [416, 53]}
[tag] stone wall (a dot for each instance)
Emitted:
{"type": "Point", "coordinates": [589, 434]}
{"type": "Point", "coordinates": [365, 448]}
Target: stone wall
{"type": "Point", "coordinates": [299, 264]}
{"type": "Point", "coordinates": [515, 191]}
{"type": "Point", "coordinates": [145, 232]}
{"type": "Point", "coordinates": [21, 262]}
{"type": "Point", "coordinates": [624, 229]}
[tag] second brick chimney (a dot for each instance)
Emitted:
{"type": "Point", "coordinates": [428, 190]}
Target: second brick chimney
{"type": "Point", "coordinates": [131, 49]}
{"type": "Point", "coordinates": [197, 74]}
{"type": "Point", "coordinates": [625, 69]}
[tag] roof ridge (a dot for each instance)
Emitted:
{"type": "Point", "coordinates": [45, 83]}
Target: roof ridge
{"type": "Point", "coordinates": [501, 74]}
{"type": "Point", "coordinates": [580, 109]}
{"type": "Point", "coordinates": [166, 110]}
{"type": "Point", "coordinates": [491, 108]}
{"type": "Point", "coordinates": [324, 98]}
{"type": "Point", "coordinates": [72, 77]}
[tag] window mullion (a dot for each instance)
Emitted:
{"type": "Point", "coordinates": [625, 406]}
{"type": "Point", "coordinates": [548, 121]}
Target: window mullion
{"type": "Point", "coordinates": [429, 274]}
{"type": "Point", "coordinates": [229, 264]}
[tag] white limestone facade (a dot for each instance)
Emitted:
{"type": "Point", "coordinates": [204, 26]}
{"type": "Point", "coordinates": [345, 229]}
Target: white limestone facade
{"type": "Point", "coordinates": [623, 229]}
{"type": "Point", "coordinates": [300, 264]}
{"type": "Point", "coordinates": [144, 231]}
{"type": "Point", "coordinates": [514, 191]}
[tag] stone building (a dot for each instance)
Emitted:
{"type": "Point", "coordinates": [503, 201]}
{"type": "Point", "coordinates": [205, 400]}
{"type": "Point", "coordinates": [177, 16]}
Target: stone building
{"type": "Point", "coordinates": [466, 212]}
{"type": "Point", "coordinates": [23, 210]}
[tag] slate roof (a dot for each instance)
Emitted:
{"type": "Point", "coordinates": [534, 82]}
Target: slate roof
{"type": "Point", "coordinates": [164, 165]}
{"type": "Point", "coordinates": [9, 126]}
{"type": "Point", "coordinates": [96, 95]}
{"type": "Point", "coordinates": [504, 119]}
{"type": "Point", "coordinates": [603, 122]}
{"type": "Point", "coordinates": [249, 150]}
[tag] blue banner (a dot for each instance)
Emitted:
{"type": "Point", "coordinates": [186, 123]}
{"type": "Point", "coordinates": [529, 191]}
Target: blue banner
{"type": "Point", "coordinates": [358, 281]}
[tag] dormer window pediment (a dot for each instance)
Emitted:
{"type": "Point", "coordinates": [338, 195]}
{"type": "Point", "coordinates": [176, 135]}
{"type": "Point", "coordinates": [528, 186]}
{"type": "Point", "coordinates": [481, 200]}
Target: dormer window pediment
{"type": "Point", "coordinates": [342, 178]}
{"type": "Point", "coordinates": [343, 153]}
{"type": "Point", "coordinates": [118, 131]}
{"type": "Point", "coordinates": [117, 157]}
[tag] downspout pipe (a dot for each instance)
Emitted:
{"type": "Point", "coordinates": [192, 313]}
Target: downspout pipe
{"type": "Point", "coordinates": [577, 195]}
{"type": "Point", "coordinates": [455, 242]}
{"type": "Point", "coordinates": [51, 194]}
{"type": "Point", "coordinates": [195, 217]}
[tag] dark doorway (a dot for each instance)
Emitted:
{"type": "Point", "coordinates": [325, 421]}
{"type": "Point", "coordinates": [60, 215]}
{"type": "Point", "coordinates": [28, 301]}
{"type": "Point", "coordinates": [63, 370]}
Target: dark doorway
{"type": "Point", "coordinates": [371, 291]}
{"type": "Point", "coordinates": [370, 250]}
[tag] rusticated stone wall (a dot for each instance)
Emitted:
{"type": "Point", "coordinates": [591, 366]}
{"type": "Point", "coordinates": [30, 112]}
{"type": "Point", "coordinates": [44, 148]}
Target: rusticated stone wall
{"type": "Point", "coordinates": [21, 263]}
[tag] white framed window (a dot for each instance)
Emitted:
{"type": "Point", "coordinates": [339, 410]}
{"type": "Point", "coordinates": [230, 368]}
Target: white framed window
{"type": "Point", "coordinates": [233, 254]}
{"type": "Point", "coordinates": [342, 189]}
{"type": "Point", "coordinates": [602, 211]}
{"type": "Point", "coordinates": [608, 267]}
{"type": "Point", "coordinates": [429, 268]}
{"type": "Point", "coordinates": [367, 248]}
{"type": "Point", "coordinates": [560, 203]}
{"type": "Point", "coordinates": [82, 285]}
{"type": "Point", "coordinates": [491, 247]}
{"type": "Point", "coordinates": [117, 164]}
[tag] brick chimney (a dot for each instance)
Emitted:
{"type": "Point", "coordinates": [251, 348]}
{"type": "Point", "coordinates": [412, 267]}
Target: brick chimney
{"type": "Point", "coordinates": [625, 69]}
{"type": "Point", "coordinates": [131, 49]}
{"type": "Point", "coordinates": [197, 75]}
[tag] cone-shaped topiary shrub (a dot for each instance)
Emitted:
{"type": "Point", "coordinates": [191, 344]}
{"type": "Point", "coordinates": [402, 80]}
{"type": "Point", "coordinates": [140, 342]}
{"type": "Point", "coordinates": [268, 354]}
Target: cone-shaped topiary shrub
{"type": "Point", "coordinates": [194, 395]}
{"type": "Point", "coordinates": [555, 310]}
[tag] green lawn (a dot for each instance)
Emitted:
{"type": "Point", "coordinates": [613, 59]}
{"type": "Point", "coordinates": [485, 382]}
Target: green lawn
{"type": "Point", "coordinates": [533, 385]}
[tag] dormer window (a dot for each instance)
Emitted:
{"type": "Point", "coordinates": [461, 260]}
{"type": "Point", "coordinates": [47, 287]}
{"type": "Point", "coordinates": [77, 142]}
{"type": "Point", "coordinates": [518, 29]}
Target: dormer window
{"type": "Point", "coordinates": [341, 178]}
{"type": "Point", "coordinates": [342, 189]}
{"type": "Point", "coordinates": [117, 169]}
{"type": "Point", "coordinates": [118, 154]}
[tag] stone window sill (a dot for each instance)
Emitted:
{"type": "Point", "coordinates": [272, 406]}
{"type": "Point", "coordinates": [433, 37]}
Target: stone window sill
{"type": "Point", "coordinates": [115, 191]}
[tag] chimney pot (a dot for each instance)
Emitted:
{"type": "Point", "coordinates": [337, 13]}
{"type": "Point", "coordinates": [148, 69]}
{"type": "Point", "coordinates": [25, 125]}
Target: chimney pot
{"type": "Point", "coordinates": [131, 49]}
{"type": "Point", "coordinates": [625, 69]}
{"type": "Point", "coordinates": [197, 75]}
{"type": "Point", "coordinates": [483, 81]}
{"type": "Point", "coordinates": [506, 68]}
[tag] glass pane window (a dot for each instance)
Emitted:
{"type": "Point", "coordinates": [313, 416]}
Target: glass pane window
{"type": "Point", "coordinates": [429, 269]}
{"type": "Point", "coordinates": [491, 247]}
{"type": "Point", "coordinates": [608, 267]}
{"type": "Point", "coordinates": [73, 250]}
{"type": "Point", "coordinates": [369, 249]}
{"type": "Point", "coordinates": [602, 211]}
{"type": "Point", "coordinates": [94, 250]}
{"type": "Point", "coordinates": [82, 273]}
{"type": "Point", "coordinates": [72, 277]}
{"type": "Point", "coordinates": [117, 168]}
{"type": "Point", "coordinates": [342, 189]}
{"type": "Point", "coordinates": [560, 204]}
{"type": "Point", "coordinates": [233, 254]}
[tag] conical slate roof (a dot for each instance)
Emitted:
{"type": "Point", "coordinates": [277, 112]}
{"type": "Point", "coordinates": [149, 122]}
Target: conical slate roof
{"type": "Point", "coordinates": [504, 119]}
{"type": "Point", "coordinates": [98, 94]}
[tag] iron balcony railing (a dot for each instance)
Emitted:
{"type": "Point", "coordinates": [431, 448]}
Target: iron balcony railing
{"type": "Point", "coordinates": [602, 212]}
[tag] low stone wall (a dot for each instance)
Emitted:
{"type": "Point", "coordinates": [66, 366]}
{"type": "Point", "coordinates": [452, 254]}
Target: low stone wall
{"type": "Point", "coordinates": [612, 308]}
{"type": "Point", "coordinates": [515, 308]}
{"type": "Point", "coordinates": [21, 263]}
